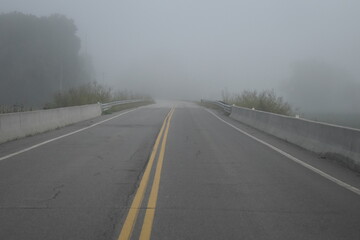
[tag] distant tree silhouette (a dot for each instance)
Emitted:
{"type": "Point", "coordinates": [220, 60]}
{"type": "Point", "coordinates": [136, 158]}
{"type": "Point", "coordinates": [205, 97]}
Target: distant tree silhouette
{"type": "Point", "coordinates": [39, 56]}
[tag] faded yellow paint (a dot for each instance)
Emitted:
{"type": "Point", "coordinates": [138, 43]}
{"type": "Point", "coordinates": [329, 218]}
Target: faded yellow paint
{"type": "Point", "coordinates": [150, 210]}
{"type": "Point", "coordinates": [130, 220]}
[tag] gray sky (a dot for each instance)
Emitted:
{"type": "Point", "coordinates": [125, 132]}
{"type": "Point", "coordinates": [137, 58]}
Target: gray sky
{"type": "Point", "coordinates": [194, 49]}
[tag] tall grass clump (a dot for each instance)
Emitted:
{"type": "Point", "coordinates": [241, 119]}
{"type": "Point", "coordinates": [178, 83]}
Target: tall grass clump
{"type": "Point", "coordinates": [266, 100]}
{"type": "Point", "coordinates": [86, 94]}
{"type": "Point", "coordinates": [14, 108]}
{"type": "Point", "coordinates": [89, 94]}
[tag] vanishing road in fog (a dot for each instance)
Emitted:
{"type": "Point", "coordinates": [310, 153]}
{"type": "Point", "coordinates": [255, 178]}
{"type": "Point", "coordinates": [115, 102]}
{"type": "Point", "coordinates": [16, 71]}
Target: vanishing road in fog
{"type": "Point", "coordinates": [204, 180]}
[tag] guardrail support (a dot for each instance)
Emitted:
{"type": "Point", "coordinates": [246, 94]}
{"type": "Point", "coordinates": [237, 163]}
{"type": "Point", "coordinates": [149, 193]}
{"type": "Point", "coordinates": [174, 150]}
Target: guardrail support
{"type": "Point", "coordinates": [107, 106]}
{"type": "Point", "coordinates": [225, 107]}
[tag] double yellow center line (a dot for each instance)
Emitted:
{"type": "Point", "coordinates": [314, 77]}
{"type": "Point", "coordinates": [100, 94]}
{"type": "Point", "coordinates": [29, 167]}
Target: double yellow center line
{"type": "Point", "coordinates": [133, 213]}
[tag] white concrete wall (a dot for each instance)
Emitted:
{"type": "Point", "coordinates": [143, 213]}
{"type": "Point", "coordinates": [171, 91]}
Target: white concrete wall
{"type": "Point", "coordinates": [17, 125]}
{"type": "Point", "coordinates": [318, 137]}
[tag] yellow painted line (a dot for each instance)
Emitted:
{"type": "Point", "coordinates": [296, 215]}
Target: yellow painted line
{"type": "Point", "coordinates": [130, 220]}
{"type": "Point", "coordinates": [150, 210]}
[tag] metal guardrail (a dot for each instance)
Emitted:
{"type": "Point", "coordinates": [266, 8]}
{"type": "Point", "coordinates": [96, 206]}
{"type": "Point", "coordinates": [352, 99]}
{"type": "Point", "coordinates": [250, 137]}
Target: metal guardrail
{"type": "Point", "coordinates": [225, 107]}
{"type": "Point", "coordinates": [107, 106]}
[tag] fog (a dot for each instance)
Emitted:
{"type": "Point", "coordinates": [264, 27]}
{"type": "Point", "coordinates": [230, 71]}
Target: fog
{"type": "Point", "coordinates": [194, 49]}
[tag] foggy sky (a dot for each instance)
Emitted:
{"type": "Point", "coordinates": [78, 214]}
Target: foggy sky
{"type": "Point", "coordinates": [194, 49]}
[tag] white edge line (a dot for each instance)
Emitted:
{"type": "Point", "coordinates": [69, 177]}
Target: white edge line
{"type": "Point", "coordinates": [321, 173]}
{"type": "Point", "coordinates": [62, 136]}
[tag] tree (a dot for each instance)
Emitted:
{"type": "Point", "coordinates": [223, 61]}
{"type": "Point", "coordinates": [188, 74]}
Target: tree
{"type": "Point", "coordinates": [39, 56]}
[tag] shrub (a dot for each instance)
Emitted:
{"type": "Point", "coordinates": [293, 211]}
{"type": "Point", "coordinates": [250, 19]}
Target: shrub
{"type": "Point", "coordinates": [264, 101]}
{"type": "Point", "coordinates": [89, 94]}
{"type": "Point", "coordinates": [85, 94]}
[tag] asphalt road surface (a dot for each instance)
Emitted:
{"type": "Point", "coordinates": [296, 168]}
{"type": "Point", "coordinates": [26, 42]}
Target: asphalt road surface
{"type": "Point", "coordinates": [172, 170]}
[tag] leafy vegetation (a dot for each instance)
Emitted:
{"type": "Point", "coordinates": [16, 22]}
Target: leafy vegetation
{"type": "Point", "coordinates": [266, 100]}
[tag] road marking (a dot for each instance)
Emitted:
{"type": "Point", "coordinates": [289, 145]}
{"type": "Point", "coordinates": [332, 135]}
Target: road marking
{"type": "Point", "coordinates": [150, 210]}
{"type": "Point", "coordinates": [308, 166]}
{"type": "Point", "coordinates": [62, 136]}
{"type": "Point", "coordinates": [130, 220]}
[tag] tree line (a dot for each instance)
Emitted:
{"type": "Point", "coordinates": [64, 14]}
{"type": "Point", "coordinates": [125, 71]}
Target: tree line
{"type": "Point", "coordinates": [39, 56]}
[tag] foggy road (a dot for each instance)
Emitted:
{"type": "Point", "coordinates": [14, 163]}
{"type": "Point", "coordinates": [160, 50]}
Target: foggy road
{"type": "Point", "coordinates": [171, 170]}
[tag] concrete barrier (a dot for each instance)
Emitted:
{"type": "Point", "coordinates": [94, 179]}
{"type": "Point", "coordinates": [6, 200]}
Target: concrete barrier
{"type": "Point", "coordinates": [17, 125]}
{"type": "Point", "coordinates": [337, 142]}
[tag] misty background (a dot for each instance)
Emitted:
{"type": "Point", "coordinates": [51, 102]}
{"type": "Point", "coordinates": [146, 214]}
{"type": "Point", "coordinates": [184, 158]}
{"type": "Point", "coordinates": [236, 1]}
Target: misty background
{"type": "Point", "coordinates": [307, 51]}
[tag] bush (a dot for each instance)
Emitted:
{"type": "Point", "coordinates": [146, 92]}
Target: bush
{"type": "Point", "coordinates": [85, 94]}
{"type": "Point", "coordinates": [89, 94]}
{"type": "Point", "coordinates": [264, 101]}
